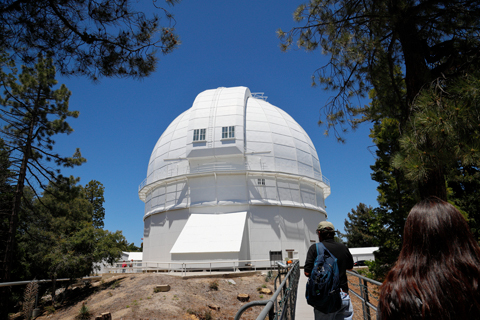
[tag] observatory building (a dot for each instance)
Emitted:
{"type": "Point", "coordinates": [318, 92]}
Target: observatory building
{"type": "Point", "coordinates": [231, 179]}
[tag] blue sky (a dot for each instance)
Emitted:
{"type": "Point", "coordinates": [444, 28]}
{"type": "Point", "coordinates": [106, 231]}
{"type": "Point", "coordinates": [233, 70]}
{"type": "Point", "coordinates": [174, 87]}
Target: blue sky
{"type": "Point", "coordinates": [224, 44]}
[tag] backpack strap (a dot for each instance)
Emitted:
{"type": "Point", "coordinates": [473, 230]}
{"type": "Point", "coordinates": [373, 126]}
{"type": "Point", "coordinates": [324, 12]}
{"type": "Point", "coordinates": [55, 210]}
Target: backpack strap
{"type": "Point", "coordinates": [320, 248]}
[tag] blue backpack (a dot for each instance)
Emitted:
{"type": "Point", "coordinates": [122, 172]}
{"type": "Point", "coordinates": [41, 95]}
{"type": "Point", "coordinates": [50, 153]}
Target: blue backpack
{"type": "Point", "coordinates": [323, 290]}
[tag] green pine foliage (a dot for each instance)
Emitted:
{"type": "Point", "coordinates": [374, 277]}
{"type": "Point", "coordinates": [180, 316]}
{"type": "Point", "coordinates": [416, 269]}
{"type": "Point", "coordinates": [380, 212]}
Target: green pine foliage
{"type": "Point", "coordinates": [400, 50]}
{"type": "Point", "coordinates": [89, 38]}
{"type": "Point", "coordinates": [58, 237]}
{"type": "Point", "coordinates": [131, 247]}
{"type": "Point", "coordinates": [444, 129]}
{"type": "Point", "coordinates": [94, 194]}
{"type": "Point", "coordinates": [84, 313]}
{"type": "Point", "coordinates": [371, 40]}
{"type": "Point", "coordinates": [358, 227]}
{"type": "Point", "coordinates": [51, 226]}
{"type": "Point", "coordinates": [32, 112]}
{"type": "Point", "coordinates": [464, 193]}
{"type": "Point", "coordinates": [6, 194]}
{"type": "Point", "coordinates": [417, 61]}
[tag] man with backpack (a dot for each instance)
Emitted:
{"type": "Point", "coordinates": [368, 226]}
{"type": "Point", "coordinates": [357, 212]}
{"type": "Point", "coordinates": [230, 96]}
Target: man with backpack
{"type": "Point", "coordinates": [326, 265]}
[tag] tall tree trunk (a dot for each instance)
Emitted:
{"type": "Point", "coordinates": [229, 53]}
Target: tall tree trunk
{"type": "Point", "coordinates": [13, 225]}
{"type": "Point", "coordinates": [417, 73]}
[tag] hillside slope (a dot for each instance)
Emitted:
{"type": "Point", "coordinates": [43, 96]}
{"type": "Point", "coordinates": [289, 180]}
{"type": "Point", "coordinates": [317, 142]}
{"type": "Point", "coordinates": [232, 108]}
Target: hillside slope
{"type": "Point", "coordinates": [132, 296]}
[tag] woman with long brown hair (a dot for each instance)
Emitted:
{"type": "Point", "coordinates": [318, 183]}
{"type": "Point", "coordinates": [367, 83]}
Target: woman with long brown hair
{"type": "Point", "coordinates": [438, 271]}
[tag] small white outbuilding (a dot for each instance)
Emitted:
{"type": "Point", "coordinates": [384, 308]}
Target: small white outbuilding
{"type": "Point", "coordinates": [365, 253]}
{"type": "Point", "coordinates": [232, 179]}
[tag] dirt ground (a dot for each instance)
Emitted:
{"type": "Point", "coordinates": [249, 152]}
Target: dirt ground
{"type": "Point", "coordinates": [373, 290]}
{"type": "Point", "coordinates": [132, 296]}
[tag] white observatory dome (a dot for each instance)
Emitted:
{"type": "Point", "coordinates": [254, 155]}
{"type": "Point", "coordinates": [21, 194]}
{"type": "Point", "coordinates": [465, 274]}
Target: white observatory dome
{"type": "Point", "coordinates": [232, 153]}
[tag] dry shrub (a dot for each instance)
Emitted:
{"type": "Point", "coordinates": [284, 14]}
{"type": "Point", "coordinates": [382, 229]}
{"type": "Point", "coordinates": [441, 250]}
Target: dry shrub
{"type": "Point", "coordinates": [29, 297]}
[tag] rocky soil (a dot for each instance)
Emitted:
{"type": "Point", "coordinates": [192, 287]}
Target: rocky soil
{"type": "Point", "coordinates": [132, 296]}
{"type": "Point", "coordinates": [357, 304]}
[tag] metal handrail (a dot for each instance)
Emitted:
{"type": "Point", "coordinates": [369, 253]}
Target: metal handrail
{"type": "Point", "coordinates": [186, 266]}
{"type": "Point", "coordinates": [275, 308]}
{"type": "Point", "coordinates": [18, 283]}
{"type": "Point", "coordinates": [364, 295]}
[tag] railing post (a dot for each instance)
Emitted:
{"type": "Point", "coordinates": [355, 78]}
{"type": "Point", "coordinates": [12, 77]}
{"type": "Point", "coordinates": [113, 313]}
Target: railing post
{"type": "Point", "coordinates": [271, 313]}
{"type": "Point", "coordinates": [36, 298]}
{"type": "Point", "coordinates": [285, 292]}
{"type": "Point", "coordinates": [279, 274]}
{"type": "Point", "coordinates": [365, 283]}
{"type": "Point", "coordinates": [362, 294]}
{"type": "Point", "coordinates": [293, 297]}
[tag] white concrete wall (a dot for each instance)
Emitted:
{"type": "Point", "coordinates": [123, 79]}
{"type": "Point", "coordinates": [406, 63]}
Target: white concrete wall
{"type": "Point", "coordinates": [268, 228]}
{"type": "Point", "coordinates": [160, 233]}
{"type": "Point", "coordinates": [358, 257]}
{"type": "Point", "coordinates": [279, 228]}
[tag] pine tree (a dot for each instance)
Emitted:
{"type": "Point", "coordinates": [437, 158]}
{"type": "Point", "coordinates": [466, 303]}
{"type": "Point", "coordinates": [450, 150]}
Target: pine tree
{"type": "Point", "coordinates": [397, 194]}
{"type": "Point", "coordinates": [358, 227]}
{"type": "Point", "coordinates": [90, 38]}
{"type": "Point", "coordinates": [33, 113]}
{"type": "Point", "coordinates": [443, 131]}
{"type": "Point", "coordinates": [417, 61]}
{"type": "Point", "coordinates": [60, 239]}
{"type": "Point", "coordinates": [6, 195]}
{"type": "Point", "coordinates": [464, 192]}
{"type": "Point", "coordinates": [397, 48]}
{"type": "Point", "coordinates": [93, 192]}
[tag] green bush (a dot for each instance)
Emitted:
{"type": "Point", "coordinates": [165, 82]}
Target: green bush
{"type": "Point", "coordinates": [213, 285]}
{"type": "Point", "coordinates": [84, 313]}
{"type": "Point", "coordinates": [50, 309]}
{"type": "Point", "coordinates": [115, 284]}
{"type": "Point", "coordinates": [208, 315]}
{"type": "Point", "coordinates": [269, 276]}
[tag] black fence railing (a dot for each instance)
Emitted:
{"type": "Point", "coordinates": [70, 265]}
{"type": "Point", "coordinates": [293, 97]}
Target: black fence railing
{"type": "Point", "coordinates": [365, 293]}
{"type": "Point", "coordinates": [282, 304]}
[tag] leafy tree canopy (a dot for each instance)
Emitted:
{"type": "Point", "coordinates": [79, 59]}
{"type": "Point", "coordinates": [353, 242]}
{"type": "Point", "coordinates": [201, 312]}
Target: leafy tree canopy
{"type": "Point", "coordinates": [131, 247]}
{"type": "Point", "coordinates": [358, 227]}
{"type": "Point", "coordinates": [372, 40]}
{"type": "Point", "coordinates": [443, 131]}
{"type": "Point", "coordinates": [417, 60]}
{"type": "Point", "coordinates": [32, 112]}
{"type": "Point", "coordinates": [94, 194]}
{"type": "Point", "coordinates": [58, 236]}
{"type": "Point", "coordinates": [87, 37]}
{"type": "Point", "coordinates": [6, 195]}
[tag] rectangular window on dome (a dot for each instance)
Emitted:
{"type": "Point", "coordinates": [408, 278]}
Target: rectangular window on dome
{"type": "Point", "coordinates": [228, 132]}
{"type": "Point", "coordinates": [199, 134]}
{"type": "Point", "coordinates": [261, 182]}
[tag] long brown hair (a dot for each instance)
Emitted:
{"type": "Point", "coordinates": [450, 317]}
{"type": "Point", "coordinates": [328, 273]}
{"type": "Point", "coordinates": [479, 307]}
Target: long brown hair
{"type": "Point", "coordinates": [438, 271]}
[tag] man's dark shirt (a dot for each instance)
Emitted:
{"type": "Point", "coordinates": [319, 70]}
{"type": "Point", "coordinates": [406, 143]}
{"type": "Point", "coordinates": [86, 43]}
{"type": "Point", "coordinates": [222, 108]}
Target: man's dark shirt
{"type": "Point", "coordinates": [340, 251]}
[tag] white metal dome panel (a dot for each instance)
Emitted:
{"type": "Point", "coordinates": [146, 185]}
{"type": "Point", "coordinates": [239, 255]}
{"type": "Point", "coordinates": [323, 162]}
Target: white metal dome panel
{"type": "Point", "coordinates": [266, 140]}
